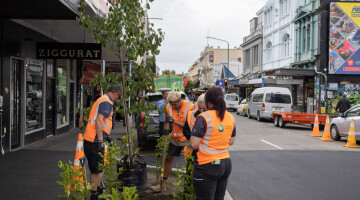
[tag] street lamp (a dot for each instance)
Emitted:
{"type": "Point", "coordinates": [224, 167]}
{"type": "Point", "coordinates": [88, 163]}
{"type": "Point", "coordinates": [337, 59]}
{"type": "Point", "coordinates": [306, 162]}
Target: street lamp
{"type": "Point", "coordinates": [228, 66]}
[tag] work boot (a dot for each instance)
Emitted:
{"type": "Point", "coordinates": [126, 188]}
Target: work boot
{"type": "Point", "coordinates": [157, 188]}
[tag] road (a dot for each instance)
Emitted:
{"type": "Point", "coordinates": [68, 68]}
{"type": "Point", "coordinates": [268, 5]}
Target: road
{"type": "Point", "coordinates": [282, 164]}
{"type": "Point", "coordinates": [287, 164]}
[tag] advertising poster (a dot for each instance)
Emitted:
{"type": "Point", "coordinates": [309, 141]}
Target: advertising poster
{"type": "Point", "coordinates": [344, 38]}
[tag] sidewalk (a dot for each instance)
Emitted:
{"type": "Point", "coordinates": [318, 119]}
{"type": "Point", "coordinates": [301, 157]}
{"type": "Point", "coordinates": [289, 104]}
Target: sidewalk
{"type": "Point", "coordinates": [31, 173]}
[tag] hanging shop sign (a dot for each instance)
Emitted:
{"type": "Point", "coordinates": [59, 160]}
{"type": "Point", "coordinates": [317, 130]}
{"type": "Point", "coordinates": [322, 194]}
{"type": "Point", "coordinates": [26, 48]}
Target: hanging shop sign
{"type": "Point", "coordinates": [344, 38]}
{"type": "Point", "coordinates": [53, 50]}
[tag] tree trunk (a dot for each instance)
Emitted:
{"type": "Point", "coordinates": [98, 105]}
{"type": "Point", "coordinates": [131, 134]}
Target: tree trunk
{"type": "Point", "coordinates": [126, 118]}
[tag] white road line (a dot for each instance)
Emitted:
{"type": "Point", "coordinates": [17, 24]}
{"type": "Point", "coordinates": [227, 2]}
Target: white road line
{"type": "Point", "coordinates": [272, 144]}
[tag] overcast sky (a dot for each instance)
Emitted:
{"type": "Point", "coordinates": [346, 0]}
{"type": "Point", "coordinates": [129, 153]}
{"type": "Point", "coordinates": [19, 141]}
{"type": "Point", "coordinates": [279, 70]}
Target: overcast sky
{"type": "Point", "coordinates": [186, 23]}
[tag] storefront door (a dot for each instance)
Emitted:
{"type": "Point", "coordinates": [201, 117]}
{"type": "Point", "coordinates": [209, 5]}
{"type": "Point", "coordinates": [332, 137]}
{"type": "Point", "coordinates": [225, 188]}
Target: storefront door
{"type": "Point", "coordinates": [15, 102]}
{"type": "Point", "coordinates": [50, 106]}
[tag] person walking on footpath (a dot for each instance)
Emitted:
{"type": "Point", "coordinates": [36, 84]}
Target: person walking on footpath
{"type": "Point", "coordinates": [212, 134]}
{"type": "Point", "coordinates": [97, 131]}
{"type": "Point", "coordinates": [160, 105]}
{"type": "Point", "coordinates": [343, 104]}
{"type": "Point", "coordinates": [176, 112]}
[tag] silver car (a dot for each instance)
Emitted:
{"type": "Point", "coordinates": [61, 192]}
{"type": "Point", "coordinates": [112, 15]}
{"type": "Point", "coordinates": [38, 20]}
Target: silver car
{"type": "Point", "coordinates": [340, 126]}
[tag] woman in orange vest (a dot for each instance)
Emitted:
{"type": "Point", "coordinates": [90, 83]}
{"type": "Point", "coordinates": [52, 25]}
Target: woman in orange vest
{"type": "Point", "coordinates": [213, 133]}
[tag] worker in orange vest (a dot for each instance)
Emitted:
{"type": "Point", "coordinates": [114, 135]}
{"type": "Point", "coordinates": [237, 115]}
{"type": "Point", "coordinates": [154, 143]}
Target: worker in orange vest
{"type": "Point", "coordinates": [212, 134]}
{"type": "Point", "coordinates": [176, 112]}
{"type": "Point", "coordinates": [191, 119]}
{"type": "Point", "coordinates": [97, 131]}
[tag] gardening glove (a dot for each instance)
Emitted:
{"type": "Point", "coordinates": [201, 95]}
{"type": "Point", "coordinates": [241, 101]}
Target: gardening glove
{"type": "Point", "coordinates": [101, 147]}
{"type": "Point", "coordinates": [169, 119]}
{"type": "Point", "coordinates": [187, 151]}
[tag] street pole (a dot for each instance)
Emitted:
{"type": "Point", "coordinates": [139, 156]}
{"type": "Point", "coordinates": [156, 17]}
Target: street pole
{"type": "Point", "coordinates": [228, 57]}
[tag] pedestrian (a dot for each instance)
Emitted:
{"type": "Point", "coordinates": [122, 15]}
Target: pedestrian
{"type": "Point", "coordinates": [161, 106]}
{"type": "Point", "coordinates": [176, 112]}
{"type": "Point", "coordinates": [189, 124]}
{"type": "Point", "coordinates": [343, 104]}
{"type": "Point", "coordinates": [214, 131]}
{"type": "Point", "coordinates": [88, 99]}
{"type": "Point", "coordinates": [97, 131]}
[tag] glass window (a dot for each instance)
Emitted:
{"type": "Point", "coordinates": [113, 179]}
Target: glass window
{"type": "Point", "coordinates": [34, 95]}
{"type": "Point", "coordinates": [231, 98]}
{"type": "Point", "coordinates": [278, 98]}
{"type": "Point", "coordinates": [354, 113]}
{"type": "Point", "coordinates": [256, 55]}
{"type": "Point", "coordinates": [63, 67]}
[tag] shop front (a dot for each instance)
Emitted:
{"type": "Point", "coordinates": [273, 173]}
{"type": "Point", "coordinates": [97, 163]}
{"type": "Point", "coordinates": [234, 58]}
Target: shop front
{"type": "Point", "coordinates": [299, 81]}
{"type": "Point", "coordinates": [40, 83]}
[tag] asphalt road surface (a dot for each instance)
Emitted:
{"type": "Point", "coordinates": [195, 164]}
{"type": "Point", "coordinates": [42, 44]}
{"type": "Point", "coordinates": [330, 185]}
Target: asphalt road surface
{"type": "Point", "coordinates": [271, 163]}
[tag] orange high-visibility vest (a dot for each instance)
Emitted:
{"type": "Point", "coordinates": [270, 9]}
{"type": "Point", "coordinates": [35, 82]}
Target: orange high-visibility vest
{"type": "Point", "coordinates": [215, 143]}
{"type": "Point", "coordinates": [177, 132]}
{"type": "Point", "coordinates": [191, 119]}
{"type": "Point", "coordinates": [90, 131]}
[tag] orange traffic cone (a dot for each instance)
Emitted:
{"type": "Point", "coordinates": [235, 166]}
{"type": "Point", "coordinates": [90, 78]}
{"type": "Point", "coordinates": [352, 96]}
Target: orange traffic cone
{"type": "Point", "coordinates": [315, 132]}
{"type": "Point", "coordinates": [79, 162]}
{"type": "Point", "coordinates": [326, 135]}
{"type": "Point", "coordinates": [351, 141]}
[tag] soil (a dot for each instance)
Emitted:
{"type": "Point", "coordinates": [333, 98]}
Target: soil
{"type": "Point", "coordinates": [149, 194]}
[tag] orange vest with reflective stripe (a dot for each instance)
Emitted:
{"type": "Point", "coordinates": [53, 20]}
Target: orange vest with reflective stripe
{"type": "Point", "coordinates": [177, 132]}
{"type": "Point", "coordinates": [90, 131]}
{"type": "Point", "coordinates": [215, 143]}
{"type": "Point", "coordinates": [191, 119]}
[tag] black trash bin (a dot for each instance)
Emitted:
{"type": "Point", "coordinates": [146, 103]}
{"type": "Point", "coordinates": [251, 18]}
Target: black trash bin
{"type": "Point", "coordinates": [135, 175]}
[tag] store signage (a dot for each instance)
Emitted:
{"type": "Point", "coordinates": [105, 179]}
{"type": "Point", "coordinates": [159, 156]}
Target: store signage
{"type": "Point", "coordinates": [53, 50]}
{"type": "Point", "coordinates": [344, 38]}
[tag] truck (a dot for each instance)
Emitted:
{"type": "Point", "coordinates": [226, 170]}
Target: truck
{"type": "Point", "coordinates": [174, 82]}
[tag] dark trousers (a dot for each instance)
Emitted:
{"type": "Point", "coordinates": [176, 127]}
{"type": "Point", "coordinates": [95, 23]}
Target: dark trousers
{"type": "Point", "coordinates": [210, 180]}
{"type": "Point", "coordinates": [161, 128]}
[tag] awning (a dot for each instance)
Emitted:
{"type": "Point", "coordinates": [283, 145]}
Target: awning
{"type": "Point", "coordinates": [39, 9]}
{"type": "Point", "coordinates": [289, 72]}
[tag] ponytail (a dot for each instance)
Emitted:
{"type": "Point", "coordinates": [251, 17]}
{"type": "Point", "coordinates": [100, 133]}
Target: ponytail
{"type": "Point", "coordinates": [216, 96]}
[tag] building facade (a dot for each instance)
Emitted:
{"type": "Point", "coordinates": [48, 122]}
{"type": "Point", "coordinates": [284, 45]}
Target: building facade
{"type": "Point", "coordinates": [211, 57]}
{"type": "Point", "coordinates": [46, 63]}
{"type": "Point", "coordinates": [252, 53]}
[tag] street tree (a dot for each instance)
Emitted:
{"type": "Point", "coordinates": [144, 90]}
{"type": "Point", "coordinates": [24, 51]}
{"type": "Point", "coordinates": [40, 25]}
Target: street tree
{"type": "Point", "coordinates": [127, 34]}
{"type": "Point", "coordinates": [165, 72]}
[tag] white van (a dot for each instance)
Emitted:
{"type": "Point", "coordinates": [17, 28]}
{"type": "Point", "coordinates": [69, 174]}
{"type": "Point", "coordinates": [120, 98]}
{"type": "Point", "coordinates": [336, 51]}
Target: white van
{"type": "Point", "coordinates": [264, 101]}
{"type": "Point", "coordinates": [232, 101]}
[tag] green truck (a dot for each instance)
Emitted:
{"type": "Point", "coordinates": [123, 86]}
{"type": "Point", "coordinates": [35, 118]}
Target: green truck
{"type": "Point", "coordinates": [174, 82]}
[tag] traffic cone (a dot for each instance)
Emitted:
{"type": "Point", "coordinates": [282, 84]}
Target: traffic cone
{"type": "Point", "coordinates": [315, 132]}
{"type": "Point", "coordinates": [326, 135]}
{"type": "Point", "coordinates": [79, 162]}
{"type": "Point", "coordinates": [351, 141]}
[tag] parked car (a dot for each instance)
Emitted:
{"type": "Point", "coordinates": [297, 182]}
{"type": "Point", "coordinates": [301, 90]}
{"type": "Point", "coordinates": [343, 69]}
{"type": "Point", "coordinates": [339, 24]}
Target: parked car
{"type": "Point", "coordinates": [151, 130]}
{"type": "Point", "coordinates": [232, 101]}
{"type": "Point", "coordinates": [242, 108]}
{"type": "Point", "coordinates": [264, 101]}
{"type": "Point", "coordinates": [340, 125]}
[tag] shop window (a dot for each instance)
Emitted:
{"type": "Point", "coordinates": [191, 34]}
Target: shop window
{"type": "Point", "coordinates": [34, 95]}
{"type": "Point", "coordinates": [63, 73]}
